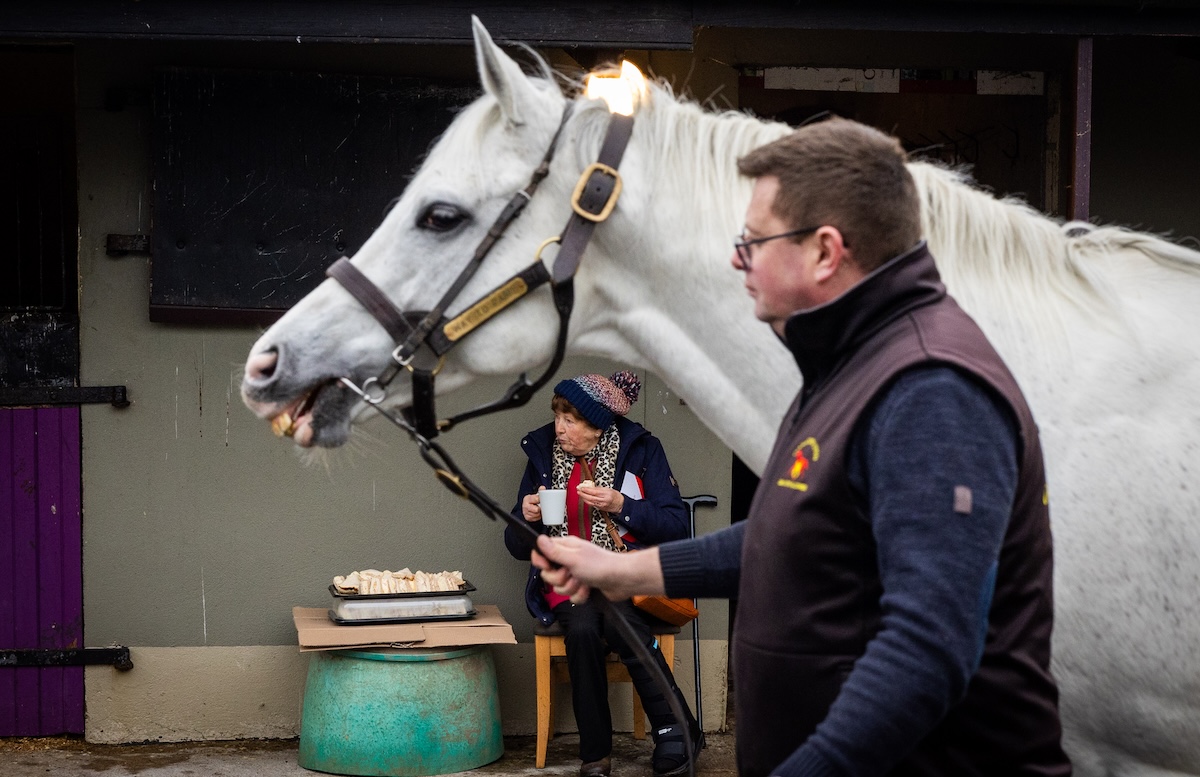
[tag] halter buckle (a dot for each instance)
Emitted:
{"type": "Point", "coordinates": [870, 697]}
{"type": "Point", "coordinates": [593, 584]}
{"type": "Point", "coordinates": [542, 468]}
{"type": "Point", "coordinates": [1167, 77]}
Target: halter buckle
{"type": "Point", "coordinates": [581, 190]}
{"type": "Point", "coordinates": [407, 362]}
{"type": "Point", "coordinates": [441, 362]}
{"type": "Point", "coordinates": [451, 481]}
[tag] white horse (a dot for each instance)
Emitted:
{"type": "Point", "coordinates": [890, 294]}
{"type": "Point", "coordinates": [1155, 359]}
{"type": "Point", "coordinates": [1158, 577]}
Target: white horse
{"type": "Point", "coordinates": [1100, 326]}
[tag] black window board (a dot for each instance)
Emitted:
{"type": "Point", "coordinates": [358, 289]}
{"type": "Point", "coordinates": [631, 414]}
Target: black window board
{"type": "Point", "coordinates": [263, 179]}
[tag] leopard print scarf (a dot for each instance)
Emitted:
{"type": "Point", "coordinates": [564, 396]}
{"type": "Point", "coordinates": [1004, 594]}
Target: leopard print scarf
{"type": "Point", "coordinates": [604, 472]}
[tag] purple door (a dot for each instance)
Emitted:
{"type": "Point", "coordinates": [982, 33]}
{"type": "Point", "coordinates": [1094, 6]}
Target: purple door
{"type": "Point", "coordinates": [41, 590]}
{"type": "Point", "coordinates": [41, 571]}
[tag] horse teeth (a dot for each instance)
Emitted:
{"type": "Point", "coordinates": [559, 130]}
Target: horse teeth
{"type": "Point", "coordinates": [283, 425]}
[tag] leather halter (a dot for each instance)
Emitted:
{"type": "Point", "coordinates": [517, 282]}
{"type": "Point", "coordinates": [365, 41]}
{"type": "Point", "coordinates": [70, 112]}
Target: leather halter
{"type": "Point", "coordinates": [593, 200]}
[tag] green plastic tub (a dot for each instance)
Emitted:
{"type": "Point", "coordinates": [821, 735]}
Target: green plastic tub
{"type": "Point", "coordinates": [400, 713]}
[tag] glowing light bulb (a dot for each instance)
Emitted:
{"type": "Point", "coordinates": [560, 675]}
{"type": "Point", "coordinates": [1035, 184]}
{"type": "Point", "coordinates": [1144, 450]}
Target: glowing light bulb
{"type": "Point", "coordinates": [622, 91]}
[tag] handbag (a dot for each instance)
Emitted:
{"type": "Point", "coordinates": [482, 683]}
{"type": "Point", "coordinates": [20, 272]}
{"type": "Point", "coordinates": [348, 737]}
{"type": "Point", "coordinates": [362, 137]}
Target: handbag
{"type": "Point", "coordinates": [677, 612]}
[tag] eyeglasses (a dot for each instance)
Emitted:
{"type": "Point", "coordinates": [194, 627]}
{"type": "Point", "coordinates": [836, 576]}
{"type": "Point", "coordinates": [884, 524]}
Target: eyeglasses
{"type": "Point", "coordinates": [744, 246]}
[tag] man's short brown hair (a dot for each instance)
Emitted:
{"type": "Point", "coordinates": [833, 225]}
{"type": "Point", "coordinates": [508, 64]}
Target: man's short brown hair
{"type": "Point", "coordinates": [847, 175]}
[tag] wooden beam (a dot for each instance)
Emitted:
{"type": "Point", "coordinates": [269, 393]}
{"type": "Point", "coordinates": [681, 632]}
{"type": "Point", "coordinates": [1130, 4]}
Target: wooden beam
{"type": "Point", "coordinates": [1054, 17]}
{"type": "Point", "coordinates": [1081, 156]}
{"type": "Point", "coordinates": [654, 24]}
{"type": "Point", "coordinates": [646, 24]}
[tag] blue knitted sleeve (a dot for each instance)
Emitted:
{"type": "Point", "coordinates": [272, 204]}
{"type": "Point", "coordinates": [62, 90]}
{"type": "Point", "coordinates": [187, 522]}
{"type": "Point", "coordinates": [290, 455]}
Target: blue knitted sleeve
{"type": "Point", "coordinates": [706, 567]}
{"type": "Point", "coordinates": [934, 433]}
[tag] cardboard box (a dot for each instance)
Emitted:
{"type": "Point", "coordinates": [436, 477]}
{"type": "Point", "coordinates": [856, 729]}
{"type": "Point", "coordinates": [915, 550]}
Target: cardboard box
{"type": "Point", "coordinates": [317, 632]}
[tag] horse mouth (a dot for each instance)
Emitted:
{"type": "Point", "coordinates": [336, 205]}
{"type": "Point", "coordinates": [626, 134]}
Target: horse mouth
{"type": "Point", "coordinates": [289, 421]}
{"type": "Point", "coordinates": [313, 416]}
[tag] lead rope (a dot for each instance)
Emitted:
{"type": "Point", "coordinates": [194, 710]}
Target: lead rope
{"type": "Point", "coordinates": [452, 477]}
{"type": "Point", "coordinates": [673, 702]}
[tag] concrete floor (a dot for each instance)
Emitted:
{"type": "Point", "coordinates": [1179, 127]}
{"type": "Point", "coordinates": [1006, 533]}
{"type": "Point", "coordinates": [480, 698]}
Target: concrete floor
{"type": "Point", "coordinates": [68, 757]}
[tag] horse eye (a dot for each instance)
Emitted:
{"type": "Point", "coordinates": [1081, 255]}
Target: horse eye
{"type": "Point", "coordinates": [441, 217]}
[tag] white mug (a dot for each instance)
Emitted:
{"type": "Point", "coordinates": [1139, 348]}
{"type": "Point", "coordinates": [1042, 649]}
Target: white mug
{"type": "Point", "coordinates": [554, 506]}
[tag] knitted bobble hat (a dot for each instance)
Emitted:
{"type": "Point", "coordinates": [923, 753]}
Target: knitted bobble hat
{"type": "Point", "coordinates": [599, 399]}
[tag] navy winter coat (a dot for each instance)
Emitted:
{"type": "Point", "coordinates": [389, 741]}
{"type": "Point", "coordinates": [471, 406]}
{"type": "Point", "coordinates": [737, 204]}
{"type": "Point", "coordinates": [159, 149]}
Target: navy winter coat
{"type": "Point", "coordinates": [660, 517]}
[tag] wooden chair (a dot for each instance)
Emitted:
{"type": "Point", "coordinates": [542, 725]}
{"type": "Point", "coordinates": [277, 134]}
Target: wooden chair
{"type": "Point", "coordinates": [550, 645]}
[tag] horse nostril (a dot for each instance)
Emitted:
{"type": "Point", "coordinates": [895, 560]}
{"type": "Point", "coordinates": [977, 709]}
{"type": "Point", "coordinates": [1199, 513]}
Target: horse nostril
{"type": "Point", "coordinates": [261, 366]}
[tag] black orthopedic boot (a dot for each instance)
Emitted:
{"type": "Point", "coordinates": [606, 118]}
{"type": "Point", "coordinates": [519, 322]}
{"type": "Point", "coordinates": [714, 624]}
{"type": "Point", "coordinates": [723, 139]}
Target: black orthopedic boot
{"type": "Point", "coordinates": [670, 753]}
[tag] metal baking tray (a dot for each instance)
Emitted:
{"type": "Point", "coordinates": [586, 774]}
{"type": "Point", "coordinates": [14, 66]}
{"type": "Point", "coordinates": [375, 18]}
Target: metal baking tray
{"type": "Point", "coordinates": [466, 588]}
{"type": "Point", "coordinates": [377, 621]}
{"type": "Point", "coordinates": [354, 611]}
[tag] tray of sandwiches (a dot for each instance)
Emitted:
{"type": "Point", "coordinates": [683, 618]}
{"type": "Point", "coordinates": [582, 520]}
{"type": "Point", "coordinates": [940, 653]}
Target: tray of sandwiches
{"type": "Point", "coordinates": [371, 596]}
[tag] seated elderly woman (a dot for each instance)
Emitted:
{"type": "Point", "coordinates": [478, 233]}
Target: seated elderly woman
{"type": "Point", "coordinates": [631, 501]}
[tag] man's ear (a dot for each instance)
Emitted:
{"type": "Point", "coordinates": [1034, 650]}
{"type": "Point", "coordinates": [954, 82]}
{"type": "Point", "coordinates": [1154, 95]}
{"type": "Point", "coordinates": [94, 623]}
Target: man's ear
{"type": "Point", "coordinates": [834, 256]}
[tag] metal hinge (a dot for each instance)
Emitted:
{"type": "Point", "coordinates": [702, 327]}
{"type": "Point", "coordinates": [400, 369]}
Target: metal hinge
{"type": "Point", "coordinates": [41, 396]}
{"type": "Point", "coordinates": [120, 245]}
{"type": "Point", "coordinates": [117, 656]}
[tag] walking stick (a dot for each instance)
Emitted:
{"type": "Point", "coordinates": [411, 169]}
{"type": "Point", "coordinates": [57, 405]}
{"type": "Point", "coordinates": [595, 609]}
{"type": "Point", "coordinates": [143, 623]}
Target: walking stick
{"type": "Point", "coordinates": [692, 502]}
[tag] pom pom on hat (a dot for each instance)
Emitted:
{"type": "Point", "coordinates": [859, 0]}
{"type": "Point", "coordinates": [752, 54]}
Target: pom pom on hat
{"type": "Point", "coordinates": [629, 383]}
{"type": "Point", "coordinates": [599, 399]}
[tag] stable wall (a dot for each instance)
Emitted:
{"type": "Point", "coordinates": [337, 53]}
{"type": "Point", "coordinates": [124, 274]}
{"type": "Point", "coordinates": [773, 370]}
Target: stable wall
{"type": "Point", "coordinates": [1145, 160]}
{"type": "Point", "coordinates": [201, 530]}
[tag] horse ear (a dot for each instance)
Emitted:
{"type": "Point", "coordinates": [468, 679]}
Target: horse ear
{"type": "Point", "coordinates": [501, 76]}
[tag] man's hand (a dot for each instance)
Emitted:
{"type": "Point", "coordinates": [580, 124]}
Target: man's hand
{"type": "Point", "coordinates": [582, 566]}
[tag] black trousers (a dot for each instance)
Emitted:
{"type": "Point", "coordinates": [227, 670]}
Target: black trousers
{"type": "Point", "coordinates": [589, 638]}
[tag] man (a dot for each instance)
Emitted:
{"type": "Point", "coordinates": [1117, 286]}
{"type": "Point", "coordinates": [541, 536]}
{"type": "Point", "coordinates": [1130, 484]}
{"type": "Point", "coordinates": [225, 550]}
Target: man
{"type": "Point", "coordinates": [894, 576]}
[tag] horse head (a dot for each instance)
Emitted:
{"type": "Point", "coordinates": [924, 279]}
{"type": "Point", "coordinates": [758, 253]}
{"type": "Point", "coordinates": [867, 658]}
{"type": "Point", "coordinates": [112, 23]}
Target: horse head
{"type": "Point", "coordinates": [487, 154]}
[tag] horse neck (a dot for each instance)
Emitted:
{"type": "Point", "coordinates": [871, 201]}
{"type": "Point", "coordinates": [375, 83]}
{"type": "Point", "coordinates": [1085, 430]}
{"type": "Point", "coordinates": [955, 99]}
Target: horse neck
{"type": "Point", "coordinates": [666, 296]}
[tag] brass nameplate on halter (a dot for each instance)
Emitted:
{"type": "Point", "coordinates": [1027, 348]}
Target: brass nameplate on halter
{"type": "Point", "coordinates": [484, 309]}
{"type": "Point", "coordinates": [596, 167]}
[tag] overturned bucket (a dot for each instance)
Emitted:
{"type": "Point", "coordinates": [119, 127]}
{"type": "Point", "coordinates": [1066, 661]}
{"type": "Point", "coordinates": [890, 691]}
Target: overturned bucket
{"type": "Point", "coordinates": [400, 713]}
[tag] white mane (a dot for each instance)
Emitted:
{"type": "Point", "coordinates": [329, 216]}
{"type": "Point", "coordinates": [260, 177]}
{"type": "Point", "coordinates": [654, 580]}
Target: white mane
{"type": "Point", "coordinates": [1001, 254]}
